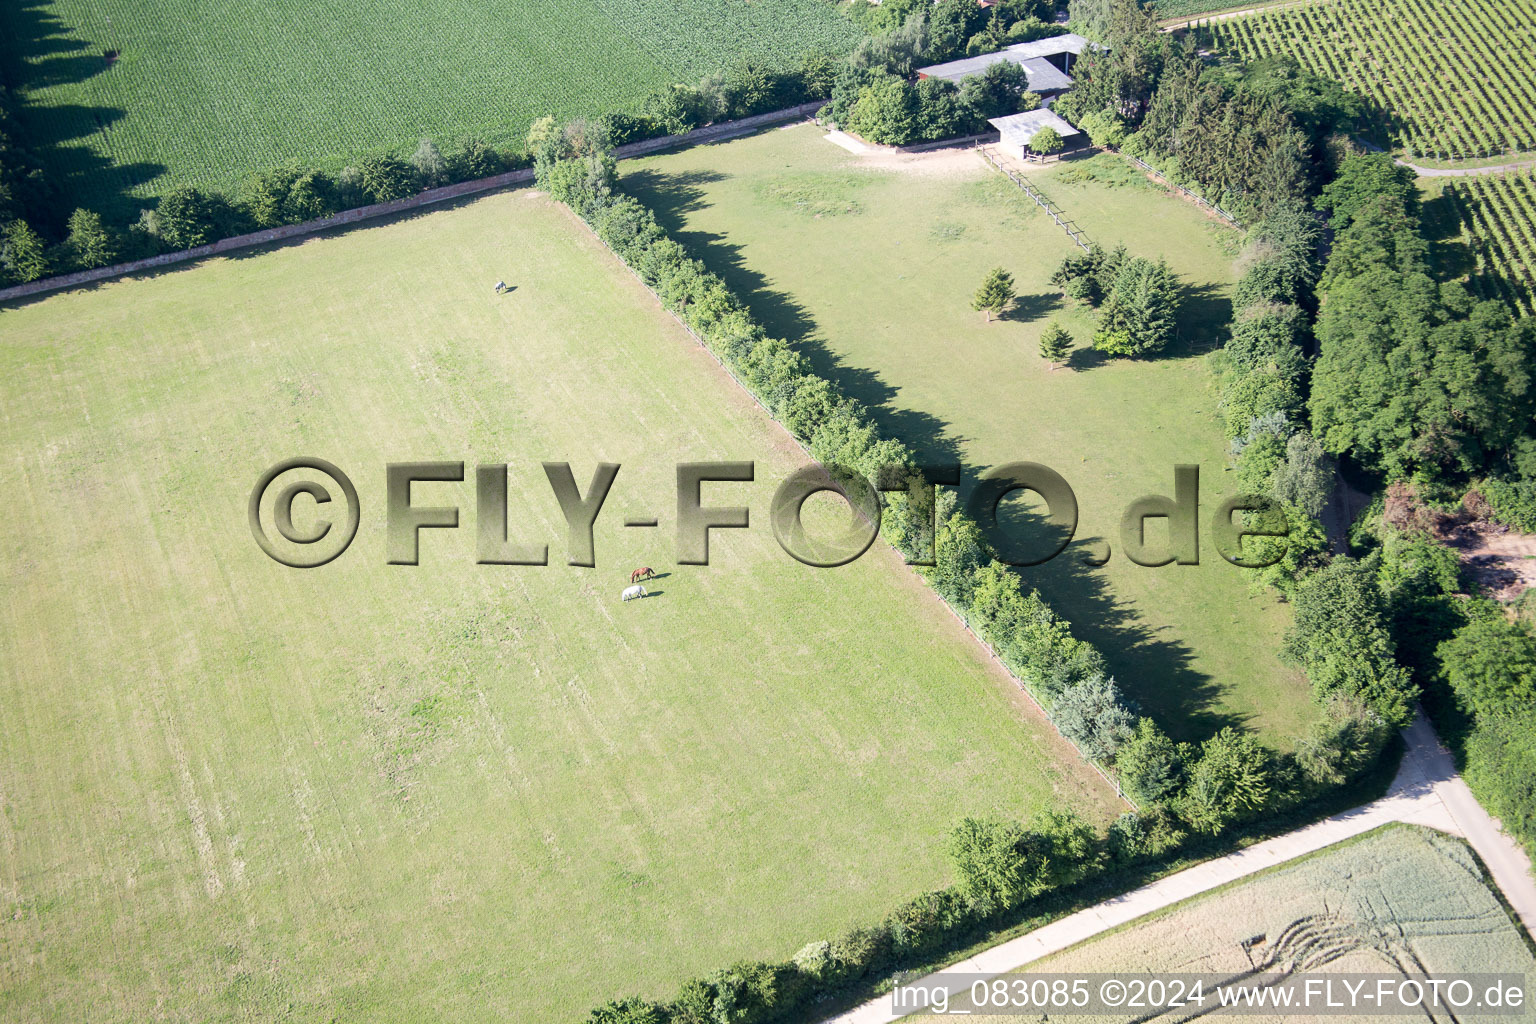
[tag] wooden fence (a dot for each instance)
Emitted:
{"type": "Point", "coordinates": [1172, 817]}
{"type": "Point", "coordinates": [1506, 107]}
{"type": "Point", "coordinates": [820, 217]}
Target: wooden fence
{"type": "Point", "coordinates": [1191, 193]}
{"type": "Point", "coordinates": [1058, 215]}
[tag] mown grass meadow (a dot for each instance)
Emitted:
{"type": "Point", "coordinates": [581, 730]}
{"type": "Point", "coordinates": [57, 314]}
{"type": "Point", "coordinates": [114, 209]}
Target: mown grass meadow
{"type": "Point", "coordinates": [869, 265]}
{"type": "Point", "coordinates": [230, 790]}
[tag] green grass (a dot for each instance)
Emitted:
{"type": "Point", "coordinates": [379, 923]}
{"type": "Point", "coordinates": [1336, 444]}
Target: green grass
{"type": "Point", "coordinates": [1398, 899]}
{"type": "Point", "coordinates": [207, 91]}
{"type": "Point", "coordinates": [1455, 79]}
{"type": "Point", "coordinates": [235, 791]}
{"type": "Point", "coordinates": [880, 300]}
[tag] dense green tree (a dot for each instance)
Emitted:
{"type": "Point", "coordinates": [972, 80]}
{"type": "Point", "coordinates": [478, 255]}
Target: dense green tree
{"type": "Point", "coordinates": [90, 244]}
{"type": "Point", "coordinates": [1046, 141]}
{"type": "Point", "coordinates": [385, 179]}
{"type": "Point", "coordinates": [1093, 715]}
{"type": "Point", "coordinates": [1267, 337]}
{"type": "Point", "coordinates": [950, 24]}
{"type": "Point", "coordinates": [1339, 746]}
{"type": "Point", "coordinates": [1340, 638]}
{"type": "Point", "coordinates": [1361, 181]}
{"type": "Point", "coordinates": [1229, 781]}
{"type": "Point", "coordinates": [628, 1011]}
{"type": "Point", "coordinates": [1140, 311]}
{"type": "Point", "coordinates": [1086, 277]}
{"type": "Point", "coordinates": [23, 253]}
{"type": "Point", "coordinates": [265, 195]}
{"type": "Point", "coordinates": [1055, 343]}
{"type": "Point", "coordinates": [999, 90]}
{"type": "Point", "coordinates": [991, 862]}
{"type": "Point", "coordinates": [940, 114]}
{"type": "Point", "coordinates": [994, 294]}
{"type": "Point", "coordinates": [885, 110]}
{"type": "Point", "coordinates": [188, 217]}
{"type": "Point", "coordinates": [1491, 664]}
{"type": "Point", "coordinates": [1501, 769]}
{"type": "Point", "coordinates": [1105, 128]}
{"type": "Point", "coordinates": [311, 195]}
{"type": "Point", "coordinates": [1148, 764]}
{"type": "Point", "coordinates": [1413, 377]}
{"type": "Point", "coordinates": [475, 160]}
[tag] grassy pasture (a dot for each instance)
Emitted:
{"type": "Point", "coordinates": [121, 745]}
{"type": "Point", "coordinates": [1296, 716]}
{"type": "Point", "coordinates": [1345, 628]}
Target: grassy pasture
{"type": "Point", "coordinates": [868, 263]}
{"type": "Point", "coordinates": [235, 791]}
{"type": "Point", "coordinates": [1401, 898]}
{"type": "Point", "coordinates": [207, 92]}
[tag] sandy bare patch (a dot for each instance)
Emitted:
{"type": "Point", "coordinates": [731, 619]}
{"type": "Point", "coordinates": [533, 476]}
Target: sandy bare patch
{"type": "Point", "coordinates": [1502, 561]}
{"type": "Point", "coordinates": [950, 162]}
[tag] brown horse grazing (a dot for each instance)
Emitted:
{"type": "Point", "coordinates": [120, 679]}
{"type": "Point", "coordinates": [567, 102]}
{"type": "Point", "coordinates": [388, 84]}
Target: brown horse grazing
{"type": "Point", "coordinates": [641, 574]}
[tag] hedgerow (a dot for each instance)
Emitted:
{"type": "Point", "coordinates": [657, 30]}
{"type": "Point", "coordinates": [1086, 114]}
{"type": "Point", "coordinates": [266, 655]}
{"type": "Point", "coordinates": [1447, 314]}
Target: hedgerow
{"type": "Point", "coordinates": [1000, 866]}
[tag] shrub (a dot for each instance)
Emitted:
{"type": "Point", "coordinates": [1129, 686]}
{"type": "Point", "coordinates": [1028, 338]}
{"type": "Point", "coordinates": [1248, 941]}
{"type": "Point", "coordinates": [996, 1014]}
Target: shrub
{"type": "Point", "coordinates": [1339, 636]}
{"type": "Point", "coordinates": [1340, 746]}
{"type": "Point", "coordinates": [384, 179]}
{"type": "Point", "coordinates": [89, 244]}
{"type": "Point", "coordinates": [1229, 781]}
{"type": "Point", "coordinates": [1105, 128]}
{"type": "Point", "coordinates": [475, 160]}
{"type": "Point", "coordinates": [1092, 714]}
{"type": "Point", "coordinates": [23, 253]}
{"type": "Point", "coordinates": [1147, 764]}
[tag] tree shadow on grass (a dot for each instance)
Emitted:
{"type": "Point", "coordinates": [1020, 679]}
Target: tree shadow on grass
{"type": "Point", "coordinates": [1086, 357]}
{"type": "Point", "coordinates": [1205, 310]}
{"type": "Point", "coordinates": [39, 53]}
{"type": "Point", "coordinates": [1026, 308]}
{"type": "Point", "coordinates": [1152, 668]}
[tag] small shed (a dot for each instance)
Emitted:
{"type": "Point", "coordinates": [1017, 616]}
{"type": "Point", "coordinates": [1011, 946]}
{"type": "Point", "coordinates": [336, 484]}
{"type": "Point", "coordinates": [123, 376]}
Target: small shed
{"type": "Point", "coordinates": [1016, 130]}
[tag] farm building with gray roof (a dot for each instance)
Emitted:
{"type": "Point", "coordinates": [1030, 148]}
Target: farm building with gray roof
{"type": "Point", "coordinates": [1045, 62]}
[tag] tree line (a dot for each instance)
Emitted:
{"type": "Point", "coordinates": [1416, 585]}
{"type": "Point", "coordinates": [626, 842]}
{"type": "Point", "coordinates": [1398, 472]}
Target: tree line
{"type": "Point", "coordinates": [1247, 135]}
{"type": "Point", "coordinates": [1188, 792]}
{"type": "Point", "coordinates": [42, 234]}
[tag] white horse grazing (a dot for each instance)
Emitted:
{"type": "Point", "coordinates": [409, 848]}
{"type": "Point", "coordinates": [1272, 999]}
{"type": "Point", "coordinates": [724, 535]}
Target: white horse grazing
{"type": "Point", "coordinates": [635, 591]}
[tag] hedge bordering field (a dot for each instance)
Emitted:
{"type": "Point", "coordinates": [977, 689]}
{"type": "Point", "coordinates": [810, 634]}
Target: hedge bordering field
{"type": "Point", "coordinates": [1001, 866]}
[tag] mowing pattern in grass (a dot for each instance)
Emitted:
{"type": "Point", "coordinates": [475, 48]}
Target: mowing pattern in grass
{"type": "Point", "coordinates": [1402, 899]}
{"type": "Point", "coordinates": [452, 792]}
{"type": "Point", "coordinates": [1499, 211]}
{"type": "Point", "coordinates": [879, 300]}
{"type": "Point", "coordinates": [207, 91]}
{"type": "Point", "coordinates": [1458, 78]}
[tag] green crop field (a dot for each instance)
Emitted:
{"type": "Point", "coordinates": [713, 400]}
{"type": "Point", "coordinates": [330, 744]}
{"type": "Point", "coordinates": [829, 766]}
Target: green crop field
{"type": "Point", "coordinates": [231, 790]}
{"type": "Point", "coordinates": [869, 265]}
{"type": "Point", "coordinates": [207, 91]}
{"type": "Point", "coordinates": [1497, 213]}
{"type": "Point", "coordinates": [1457, 79]}
{"type": "Point", "coordinates": [1399, 899]}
